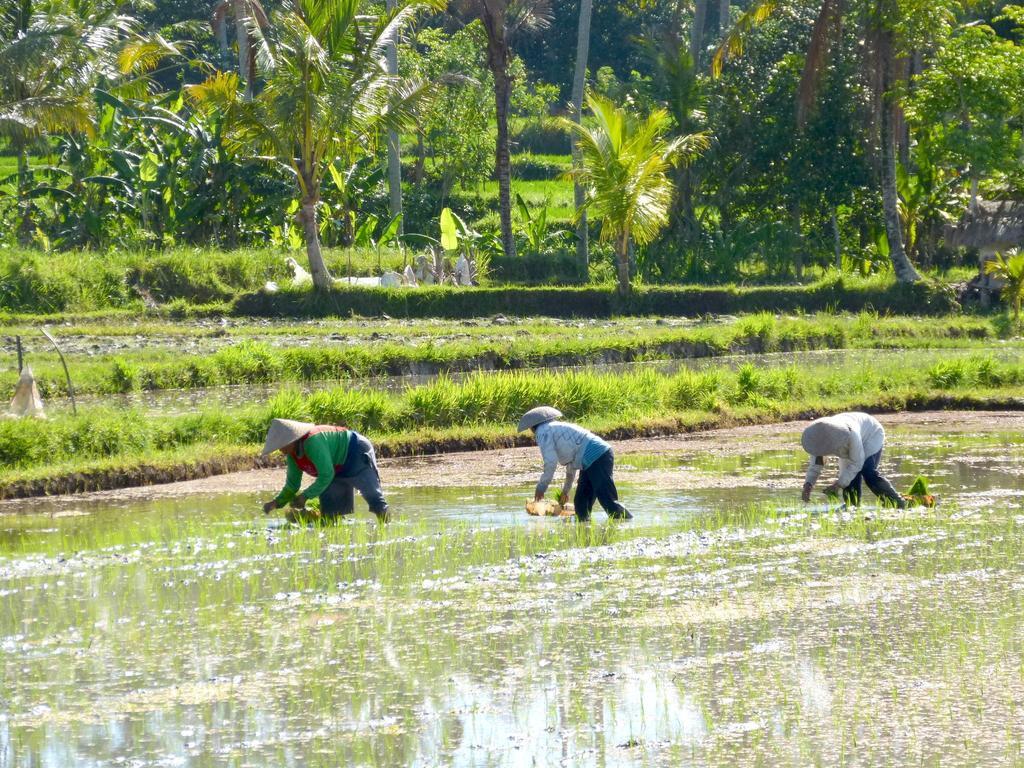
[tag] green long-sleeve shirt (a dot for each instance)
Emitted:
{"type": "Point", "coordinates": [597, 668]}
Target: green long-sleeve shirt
{"type": "Point", "coordinates": [326, 450]}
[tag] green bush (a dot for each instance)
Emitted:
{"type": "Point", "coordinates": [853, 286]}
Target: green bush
{"type": "Point", "coordinates": [681, 301]}
{"type": "Point", "coordinates": [536, 269]}
{"type": "Point", "coordinates": [695, 391]}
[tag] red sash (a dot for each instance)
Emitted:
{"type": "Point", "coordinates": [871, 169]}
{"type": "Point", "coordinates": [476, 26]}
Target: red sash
{"type": "Point", "coordinates": [302, 461]}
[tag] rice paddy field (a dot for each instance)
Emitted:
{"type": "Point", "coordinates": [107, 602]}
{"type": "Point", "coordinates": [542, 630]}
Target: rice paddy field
{"type": "Point", "coordinates": [726, 625]}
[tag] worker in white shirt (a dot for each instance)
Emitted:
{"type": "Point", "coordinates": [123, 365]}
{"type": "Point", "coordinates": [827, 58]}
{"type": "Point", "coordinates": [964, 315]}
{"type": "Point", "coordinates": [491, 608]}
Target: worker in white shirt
{"type": "Point", "coordinates": [857, 439]}
{"type": "Point", "coordinates": [579, 450]}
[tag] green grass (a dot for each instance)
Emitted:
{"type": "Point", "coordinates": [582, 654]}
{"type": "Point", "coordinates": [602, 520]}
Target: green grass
{"type": "Point", "coordinates": [83, 281]}
{"type": "Point", "coordinates": [265, 354]}
{"type": "Point", "coordinates": [556, 194]}
{"type": "Point", "coordinates": [481, 410]}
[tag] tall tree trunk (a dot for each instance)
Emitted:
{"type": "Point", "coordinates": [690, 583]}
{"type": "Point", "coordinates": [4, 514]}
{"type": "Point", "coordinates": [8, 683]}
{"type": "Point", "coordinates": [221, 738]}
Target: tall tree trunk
{"type": "Point", "coordinates": [796, 212]}
{"type": "Point", "coordinates": [700, 14]}
{"type": "Point", "coordinates": [502, 161]}
{"type": "Point", "coordinates": [394, 149]}
{"type": "Point", "coordinates": [905, 271]}
{"type": "Point", "coordinates": [322, 279]}
{"type": "Point", "coordinates": [25, 226]}
{"type": "Point", "coordinates": [241, 9]}
{"type": "Point", "coordinates": [837, 240]}
{"type": "Point", "coordinates": [578, 87]}
{"type": "Point", "coordinates": [220, 31]}
{"type": "Point", "coordinates": [723, 17]}
{"type": "Point", "coordinates": [622, 262]}
{"type": "Point", "coordinates": [419, 172]}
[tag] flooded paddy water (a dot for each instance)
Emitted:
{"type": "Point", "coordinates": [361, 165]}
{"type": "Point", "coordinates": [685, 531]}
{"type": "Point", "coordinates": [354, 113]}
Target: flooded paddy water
{"type": "Point", "coordinates": [726, 625]}
{"type": "Point", "coordinates": [178, 401]}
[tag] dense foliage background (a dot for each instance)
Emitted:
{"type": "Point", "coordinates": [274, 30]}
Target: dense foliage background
{"type": "Point", "coordinates": [151, 125]}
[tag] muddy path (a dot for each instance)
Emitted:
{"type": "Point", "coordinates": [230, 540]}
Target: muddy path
{"type": "Point", "coordinates": [697, 461]}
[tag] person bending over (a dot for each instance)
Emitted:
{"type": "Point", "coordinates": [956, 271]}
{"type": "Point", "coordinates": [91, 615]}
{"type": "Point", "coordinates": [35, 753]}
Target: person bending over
{"type": "Point", "coordinates": [340, 460]}
{"type": "Point", "coordinates": [857, 439]}
{"type": "Point", "coordinates": [580, 451]}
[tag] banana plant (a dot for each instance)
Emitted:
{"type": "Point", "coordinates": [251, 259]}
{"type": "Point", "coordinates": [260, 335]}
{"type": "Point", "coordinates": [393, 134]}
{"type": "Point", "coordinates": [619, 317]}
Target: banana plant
{"type": "Point", "coordinates": [364, 237]}
{"type": "Point", "coordinates": [536, 230]}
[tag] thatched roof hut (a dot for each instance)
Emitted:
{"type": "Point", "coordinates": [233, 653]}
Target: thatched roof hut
{"type": "Point", "coordinates": [989, 226]}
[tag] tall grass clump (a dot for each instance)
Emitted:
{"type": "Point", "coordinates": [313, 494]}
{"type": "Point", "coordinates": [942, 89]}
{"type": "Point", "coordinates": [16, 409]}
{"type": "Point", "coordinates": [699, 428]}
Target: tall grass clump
{"type": "Point", "coordinates": [362, 410]}
{"type": "Point", "coordinates": [491, 404]}
{"type": "Point", "coordinates": [762, 328]}
{"type": "Point", "coordinates": [249, 362]}
{"type": "Point", "coordinates": [695, 390]}
{"type": "Point", "coordinates": [766, 387]}
{"type": "Point", "coordinates": [503, 398]}
{"type": "Point", "coordinates": [983, 371]}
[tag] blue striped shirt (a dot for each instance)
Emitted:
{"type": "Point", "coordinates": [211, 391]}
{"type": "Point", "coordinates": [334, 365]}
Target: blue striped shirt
{"type": "Point", "coordinates": [596, 448]}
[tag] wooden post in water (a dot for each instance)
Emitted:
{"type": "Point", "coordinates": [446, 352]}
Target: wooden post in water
{"type": "Point", "coordinates": [67, 374]}
{"type": "Point", "coordinates": [21, 358]}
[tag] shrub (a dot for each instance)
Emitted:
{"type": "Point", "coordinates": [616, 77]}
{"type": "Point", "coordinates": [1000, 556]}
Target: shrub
{"type": "Point", "coordinates": [678, 301]}
{"type": "Point", "coordinates": [695, 391]}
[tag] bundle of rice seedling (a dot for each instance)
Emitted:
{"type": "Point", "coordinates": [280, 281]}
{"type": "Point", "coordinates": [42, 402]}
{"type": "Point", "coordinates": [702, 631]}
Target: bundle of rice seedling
{"type": "Point", "coordinates": [918, 494]}
{"type": "Point", "coordinates": [545, 508]}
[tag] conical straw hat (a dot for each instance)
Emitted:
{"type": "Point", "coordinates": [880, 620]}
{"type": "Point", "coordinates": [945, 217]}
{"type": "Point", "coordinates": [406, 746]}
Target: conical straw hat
{"type": "Point", "coordinates": [284, 431]}
{"type": "Point", "coordinates": [537, 416]}
{"type": "Point", "coordinates": [825, 438]}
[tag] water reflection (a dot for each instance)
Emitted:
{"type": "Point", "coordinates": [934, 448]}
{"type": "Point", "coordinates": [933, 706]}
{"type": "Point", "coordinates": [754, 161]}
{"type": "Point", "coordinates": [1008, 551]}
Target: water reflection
{"type": "Point", "coordinates": [178, 401]}
{"type": "Point", "coordinates": [184, 631]}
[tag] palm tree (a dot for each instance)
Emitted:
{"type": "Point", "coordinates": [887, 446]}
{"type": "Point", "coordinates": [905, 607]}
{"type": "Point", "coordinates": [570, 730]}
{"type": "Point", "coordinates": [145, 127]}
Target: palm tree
{"type": "Point", "coordinates": [502, 21]}
{"type": "Point", "coordinates": [625, 163]}
{"type": "Point", "coordinates": [678, 89]}
{"type": "Point", "coordinates": [880, 15]}
{"type": "Point", "coordinates": [327, 97]}
{"type": "Point", "coordinates": [247, 13]}
{"type": "Point", "coordinates": [51, 56]}
{"type": "Point", "coordinates": [579, 83]}
{"type": "Point", "coordinates": [700, 13]}
{"type": "Point", "coordinates": [1009, 269]}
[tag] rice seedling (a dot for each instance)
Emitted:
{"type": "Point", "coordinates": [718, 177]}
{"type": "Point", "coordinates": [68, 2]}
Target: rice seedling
{"type": "Point", "coordinates": [167, 356]}
{"type": "Point", "coordinates": [482, 408]}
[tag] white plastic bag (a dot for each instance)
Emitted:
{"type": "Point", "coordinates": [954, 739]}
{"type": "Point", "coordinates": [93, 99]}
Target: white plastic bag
{"type": "Point", "coordinates": [27, 401]}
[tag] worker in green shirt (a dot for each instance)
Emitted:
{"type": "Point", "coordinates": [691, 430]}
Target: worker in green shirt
{"type": "Point", "coordinates": [341, 461]}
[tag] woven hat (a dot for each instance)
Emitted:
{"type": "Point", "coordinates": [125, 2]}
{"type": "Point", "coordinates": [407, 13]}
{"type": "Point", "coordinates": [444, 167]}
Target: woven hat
{"type": "Point", "coordinates": [284, 431]}
{"type": "Point", "coordinates": [537, 416]}
{"type": "Point", "coordinates": [825, 438]}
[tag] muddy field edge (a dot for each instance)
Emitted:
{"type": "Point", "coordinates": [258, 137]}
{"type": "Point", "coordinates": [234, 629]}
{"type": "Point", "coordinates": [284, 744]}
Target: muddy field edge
{"type": "Point", "coordinates": [148, 472]}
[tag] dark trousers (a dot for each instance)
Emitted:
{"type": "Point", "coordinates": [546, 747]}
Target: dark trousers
{"type": "Point", "coordinates": [879, 486]}
{"type": "Point", "coordinates": [359, 473]}
{"type": "Point", "coordinates": [596, 483]}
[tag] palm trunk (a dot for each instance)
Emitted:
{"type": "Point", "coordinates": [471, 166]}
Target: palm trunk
{"type": "Point", "coordinates": [220, 29]}
{"type": "Point", "coordinates": [241, 10]}
{"type": "Point", "coordinates": [798, 229]}
{"type": "Point", "coordinates": [884, 73]}
{"type": "Point", "coordinates": [578, 86]}
{"type": "Point", "coordinates": [837, 241]}
{"type": "Point", "coordinates": [905, 271]}
{"type": "Point", "coordinates": [700, 12]}
{"type": "Point", "coordinates": [420, 170]}
{"type": "Point", "coordinates": [322, 279]}
{"type": "Point", "coordinates": [723, 17]}
{"type": "Point", "coordinates": [622, 261]}
{"type": "Point", "coordinates": [502, 161]}
{"type": "Point", "coordinates": [394, 149]}
{"type": "Point", "coordinates": [25, 227]}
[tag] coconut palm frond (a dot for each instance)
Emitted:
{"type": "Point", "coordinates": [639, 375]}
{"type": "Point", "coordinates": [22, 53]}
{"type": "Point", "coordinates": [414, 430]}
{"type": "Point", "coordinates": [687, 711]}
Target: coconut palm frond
{"type": "Point", "coordinates": [143, 55]}
{"type": "Point", "coordinates": [391, 27]}
{"type": "Point", "coordinates": [528, 15]}
{"type": "Point", "coordinates": [624, 168]}
{"type": "Point", "coordinates": [734, 41]}
{"type": "Point", "coordinates": [829, 16]}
